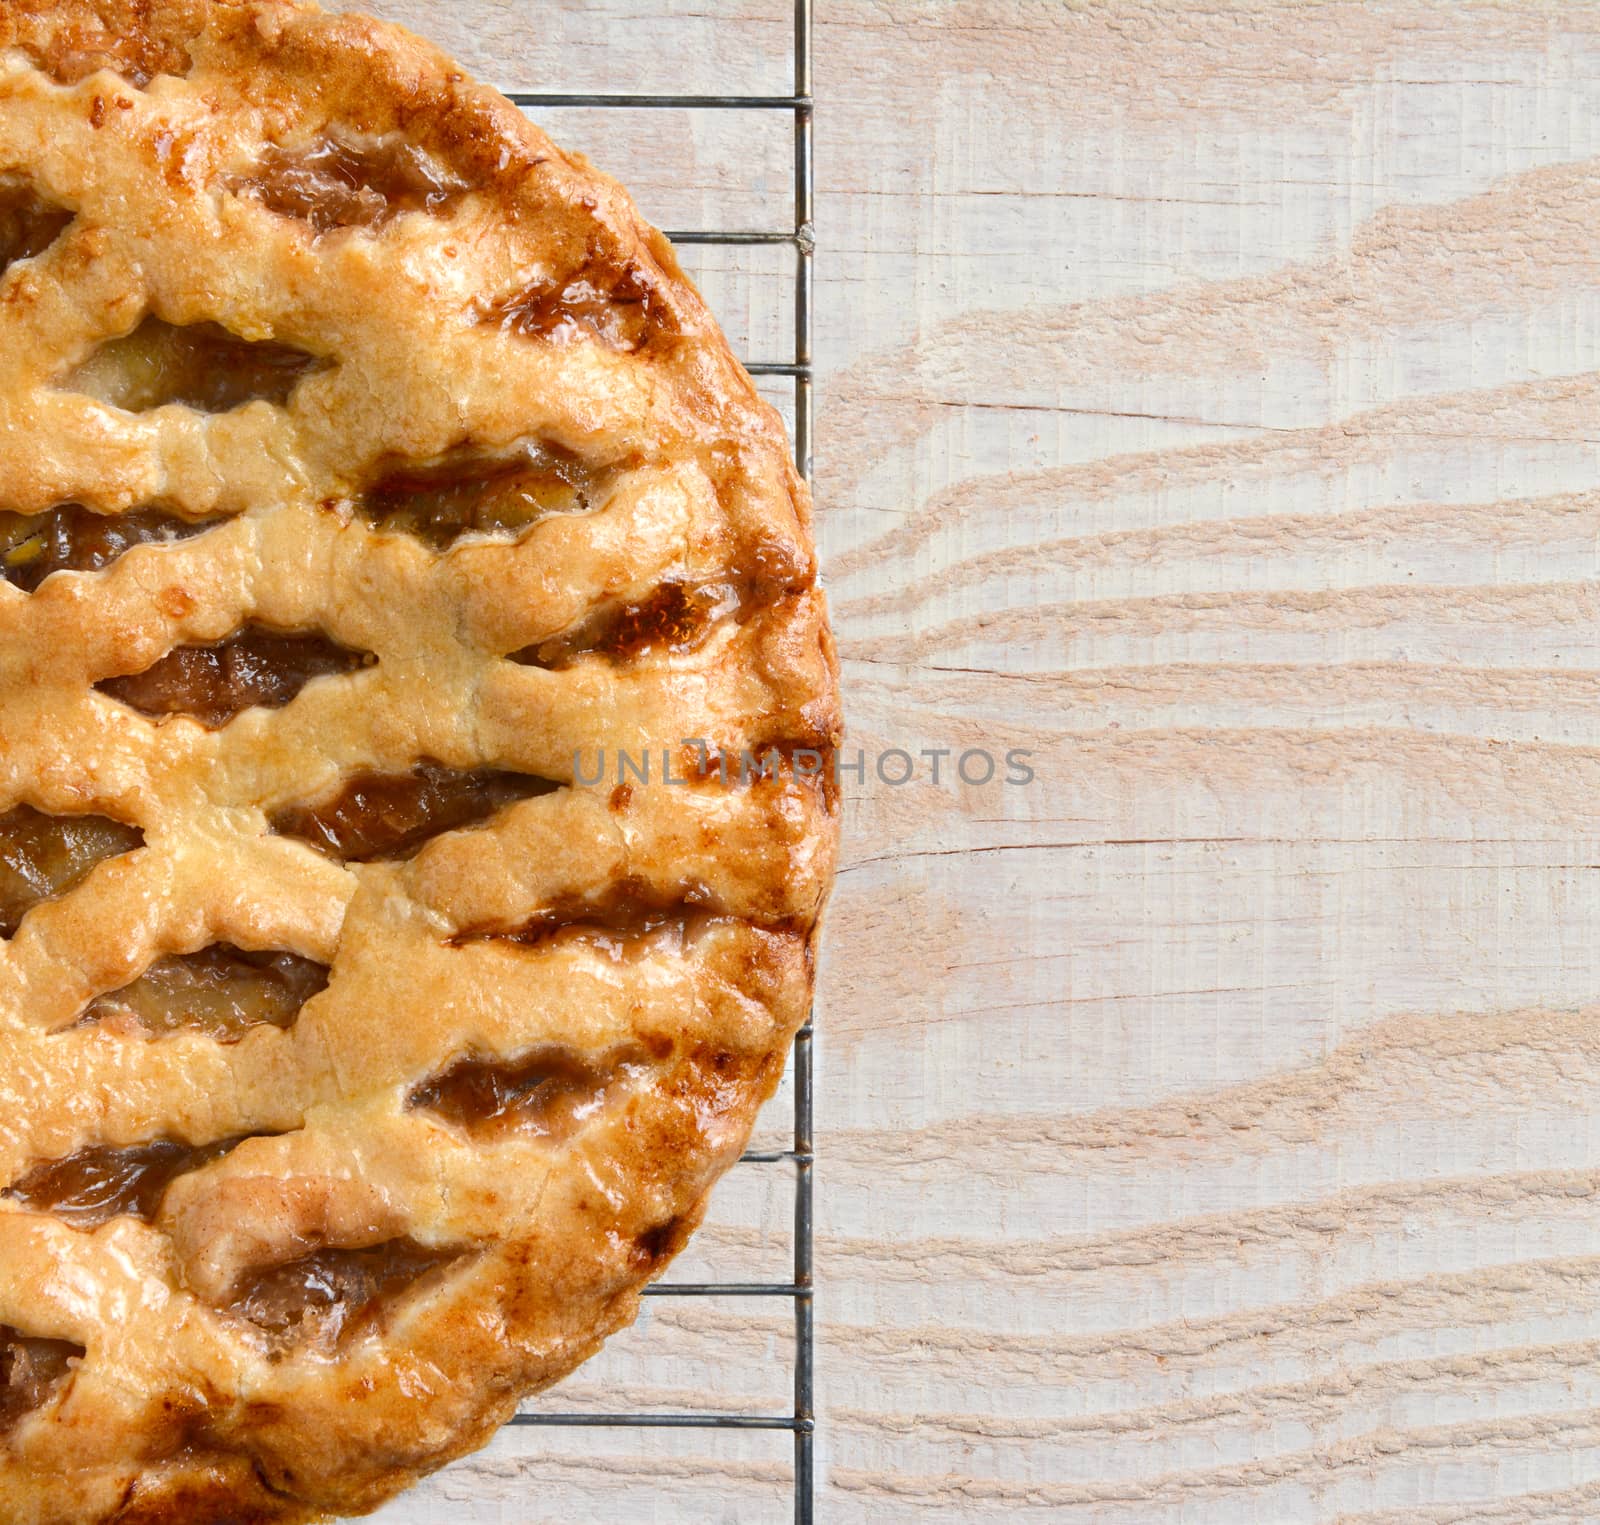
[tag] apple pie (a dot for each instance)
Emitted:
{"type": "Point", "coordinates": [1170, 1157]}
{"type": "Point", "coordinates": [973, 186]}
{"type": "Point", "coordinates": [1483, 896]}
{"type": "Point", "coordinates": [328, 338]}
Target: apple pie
{"type": "Point", "coordinates": [392, 557]}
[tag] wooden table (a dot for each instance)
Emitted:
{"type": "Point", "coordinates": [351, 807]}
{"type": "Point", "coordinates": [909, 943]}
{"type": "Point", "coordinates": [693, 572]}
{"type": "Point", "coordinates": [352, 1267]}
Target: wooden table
{"type": "Point", "coordinates": [1210, 1130]}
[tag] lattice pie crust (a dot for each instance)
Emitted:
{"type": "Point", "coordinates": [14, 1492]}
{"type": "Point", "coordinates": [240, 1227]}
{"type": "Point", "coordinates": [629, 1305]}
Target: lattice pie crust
{"type": "Point", "coordinates": [363, 459]}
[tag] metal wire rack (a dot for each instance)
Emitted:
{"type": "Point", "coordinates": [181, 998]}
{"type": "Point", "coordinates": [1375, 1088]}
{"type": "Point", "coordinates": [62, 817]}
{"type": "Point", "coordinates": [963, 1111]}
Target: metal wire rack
{"type": "Point", "coordinates": [800, 1291]}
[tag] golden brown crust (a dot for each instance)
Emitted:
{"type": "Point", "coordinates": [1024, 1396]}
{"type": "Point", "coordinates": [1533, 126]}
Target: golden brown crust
{"type": "Point", "coordinates": [458, 290]}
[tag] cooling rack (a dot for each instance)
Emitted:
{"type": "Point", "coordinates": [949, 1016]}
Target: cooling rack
{"type": "Point", "coordinates": [799, 1291]}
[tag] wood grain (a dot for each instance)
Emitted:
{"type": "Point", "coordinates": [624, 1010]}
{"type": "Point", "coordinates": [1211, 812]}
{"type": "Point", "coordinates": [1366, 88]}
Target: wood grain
{"type": "Point", "coordinates": [1211, 1130]}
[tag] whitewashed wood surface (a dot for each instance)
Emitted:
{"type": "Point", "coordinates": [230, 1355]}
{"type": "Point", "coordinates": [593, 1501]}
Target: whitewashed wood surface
{"type": "Point", "coordinates": [1210, 404]}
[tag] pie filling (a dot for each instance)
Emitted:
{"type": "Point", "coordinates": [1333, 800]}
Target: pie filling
{"type": "Point", "coordinates": [341, 182]}
{"type": "Point", "coordinates": [70, 538]}
{"type": "Point", "coordinates": [618, 922]}
{"type": "Point", "coordinates": [333, 1293]}
{"type": "Point", "coordinates": [546, 1094]}
{"type": "Point", "coordinates": [391, 815]}
{"type": "Point", "coordinates": [32, 1371]}
{"type": "Point", "coordinates": [78, 50]}
{"type": "Point", "coordinates": [221, 991]}
{"type": "Point", "coordinates": [676, 618]}
{"type": "Point", "coordinates": [29, 224]}
{"type": "Point", "coordinates": [96, 1185]}
{"type": "Point", "coordinates": [656, 1244]}
{"type": "Point", "coordinates": [256, 666]}
{"type": "Point", "coordinates": [201, 366]}
{"type": "Point", "coordinates": [605, 300]}
{"type": "Point", "coordinates": [615, 932]}
{"type": "Point", "coordinates": [469, 493]}
{"type": "Point", "coordinates": [42, 856]}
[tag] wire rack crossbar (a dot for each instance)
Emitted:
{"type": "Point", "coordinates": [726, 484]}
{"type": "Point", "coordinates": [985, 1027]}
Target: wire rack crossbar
{"type": "Point", "coordinates": [670, 1421]}
{"type": "Point", "coordinates": [550, 100]}
{"type": "Point", "coordinates": [728, 1289]}
{"type": "Point", "coordinates": [733, 238]}
{"type": "Point", "coordinates": [801, 1290]}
